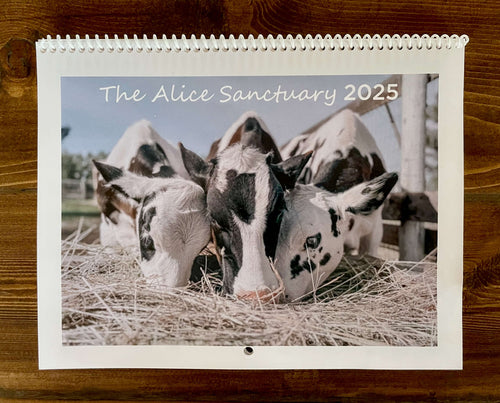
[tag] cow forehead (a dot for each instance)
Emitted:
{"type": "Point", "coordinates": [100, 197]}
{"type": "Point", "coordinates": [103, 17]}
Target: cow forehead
{"type": "Point", "coordinates": [242, 195]}
{"type": "Point", "coordinates": [177, 200]}
{"type": "Point", "coordinates": [244, 198]}
{"type": "Point", "coordinates": [304, 197]}
{"type": "Point", "coordinates": [240, 159]}
{"type": "Point", "coordinates": [172, 220]}
{"type": "Point", "coordinates": [309, 210]}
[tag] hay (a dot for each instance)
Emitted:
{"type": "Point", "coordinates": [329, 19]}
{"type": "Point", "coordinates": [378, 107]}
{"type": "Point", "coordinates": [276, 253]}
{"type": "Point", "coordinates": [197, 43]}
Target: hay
{"type": "Point", "coordinates": [106, 301]}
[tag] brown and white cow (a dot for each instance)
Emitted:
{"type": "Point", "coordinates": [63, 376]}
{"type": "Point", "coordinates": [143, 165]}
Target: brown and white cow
{"type": "Point", "coordinates": [147, 202]}
{"type": "Point", "coordinates": [248, 130]}
{"type": "Point", "coordinates": [345, 155]}
{"type": "Point", "coordinates": [245, 201]}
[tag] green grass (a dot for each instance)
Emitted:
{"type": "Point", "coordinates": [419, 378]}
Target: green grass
{"type": "Point", "coordinates": [80, 207]}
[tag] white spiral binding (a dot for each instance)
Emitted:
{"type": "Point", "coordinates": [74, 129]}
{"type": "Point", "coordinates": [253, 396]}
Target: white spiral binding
{"type": "Point", "coordinates": [260, 43]}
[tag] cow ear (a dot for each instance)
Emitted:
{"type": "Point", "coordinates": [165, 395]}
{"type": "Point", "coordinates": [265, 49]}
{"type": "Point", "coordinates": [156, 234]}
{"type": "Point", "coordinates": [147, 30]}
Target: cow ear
{"type": "Point", "coordinates": [111, 194]}
{"type": "Point", "coordinates": [368, 196]}
{"type": "Point", "coordinates": [197, 168]}
{"type": "Point", "coordinates": [108, 172]}
{"type": "Point", "coordinates": [128, 184]}
{"type": "Point", "coordinates": [288, 171]}
{"type": "Point", "coordinates": [111, 199]}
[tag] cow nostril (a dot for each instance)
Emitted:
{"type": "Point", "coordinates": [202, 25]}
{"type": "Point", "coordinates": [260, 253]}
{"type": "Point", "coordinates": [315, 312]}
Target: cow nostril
{"type": "Point", "coordinates": [251, 125]}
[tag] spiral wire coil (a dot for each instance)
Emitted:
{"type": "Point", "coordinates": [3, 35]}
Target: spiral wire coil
{"type": "Point", "coordinates": [251, 43]}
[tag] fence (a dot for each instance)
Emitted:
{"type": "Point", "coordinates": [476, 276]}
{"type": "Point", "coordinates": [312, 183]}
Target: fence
{"type": "Point", "coordinates": [418, 208]}
{"type": "Point", "coordinates": [77, 189]}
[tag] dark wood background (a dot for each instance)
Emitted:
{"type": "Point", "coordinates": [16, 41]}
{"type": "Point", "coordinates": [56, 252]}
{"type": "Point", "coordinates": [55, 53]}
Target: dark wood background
{"type": "Point", "coordinates": [23, 22]}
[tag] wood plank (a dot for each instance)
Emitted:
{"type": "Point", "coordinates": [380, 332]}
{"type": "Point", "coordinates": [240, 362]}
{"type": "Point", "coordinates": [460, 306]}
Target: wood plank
{"type": "Point", "coordinates": [19, 358]}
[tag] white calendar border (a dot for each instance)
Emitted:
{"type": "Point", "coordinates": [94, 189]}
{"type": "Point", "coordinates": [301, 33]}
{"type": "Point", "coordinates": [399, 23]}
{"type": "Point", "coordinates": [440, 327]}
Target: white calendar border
{"type": "Point", "coordinates": [448, 63]}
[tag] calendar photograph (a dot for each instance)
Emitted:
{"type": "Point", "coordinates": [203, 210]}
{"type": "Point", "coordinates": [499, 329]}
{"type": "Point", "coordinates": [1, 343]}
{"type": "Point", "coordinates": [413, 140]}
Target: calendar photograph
{"type": "Point", "coordinates": [294, 210]}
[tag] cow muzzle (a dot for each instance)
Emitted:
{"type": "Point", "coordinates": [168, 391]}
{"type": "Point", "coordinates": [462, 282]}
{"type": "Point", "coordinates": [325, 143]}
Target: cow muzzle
{"type": "Point", "coordinates": [265, 295]}
{"type": "Point", "coordinates": [262, 296]}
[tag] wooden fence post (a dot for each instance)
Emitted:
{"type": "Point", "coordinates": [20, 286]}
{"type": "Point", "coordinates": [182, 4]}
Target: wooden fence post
{"type": "Point", "coordinates": [411, 233]}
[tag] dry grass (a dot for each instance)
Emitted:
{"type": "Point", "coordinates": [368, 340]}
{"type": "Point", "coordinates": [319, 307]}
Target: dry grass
{"type": "Point", "coordinates": [365, 302]}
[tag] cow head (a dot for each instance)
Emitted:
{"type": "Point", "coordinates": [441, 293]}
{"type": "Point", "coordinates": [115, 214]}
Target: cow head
{"type": "Point", "coordinates": [169, 216]}
{"type": "Point", "coordinates": [248, 130]}
{"type": "Point", "coordinates": [315, 226]}
{"type": "Point", "coordinates": [245, 201]}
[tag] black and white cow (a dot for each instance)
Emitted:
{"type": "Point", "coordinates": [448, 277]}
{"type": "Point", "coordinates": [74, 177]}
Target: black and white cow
{"type": "Point", "coordinates": [249, 130]}
{"type": "Point", "coordinates": [345, 155]}
{"type": "Point", "coordinates": [245, 200]}
{"type": "Point", "coordinates": [146, 201]}
{"type": "Point", "coordinates": [315, 226]}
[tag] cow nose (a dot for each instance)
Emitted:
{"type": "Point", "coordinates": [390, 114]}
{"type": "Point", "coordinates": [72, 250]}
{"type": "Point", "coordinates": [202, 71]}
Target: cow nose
{"type": "Point", "coordinates": [251, 125]}
{"type": "Point", "coordinates": [264, 295]}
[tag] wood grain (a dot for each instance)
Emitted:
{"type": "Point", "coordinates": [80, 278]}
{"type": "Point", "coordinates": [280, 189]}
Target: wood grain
{"type": "Point", "coordinates": [22, 23]}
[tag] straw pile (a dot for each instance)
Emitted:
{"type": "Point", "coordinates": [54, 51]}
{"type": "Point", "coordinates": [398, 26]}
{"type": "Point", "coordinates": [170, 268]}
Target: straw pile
{"type": "Point", "coordinates": [105, 301]}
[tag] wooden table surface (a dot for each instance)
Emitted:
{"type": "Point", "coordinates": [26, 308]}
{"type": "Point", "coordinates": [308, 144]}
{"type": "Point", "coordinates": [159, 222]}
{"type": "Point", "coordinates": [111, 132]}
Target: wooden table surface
{"type": "Point", "coordinates": [22, 23]}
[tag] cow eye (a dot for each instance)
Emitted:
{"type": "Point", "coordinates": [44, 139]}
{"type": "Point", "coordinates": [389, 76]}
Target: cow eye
{"type": "Point", "coordinates": [312, 242]}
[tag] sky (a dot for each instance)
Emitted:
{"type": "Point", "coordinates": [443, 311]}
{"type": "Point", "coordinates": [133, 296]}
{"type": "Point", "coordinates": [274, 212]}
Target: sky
{"type": "Point", "coordinates": [97, 119]}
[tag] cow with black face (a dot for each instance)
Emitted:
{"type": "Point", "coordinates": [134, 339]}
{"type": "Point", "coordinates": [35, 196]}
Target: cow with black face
{"type": "Point", "coordinates": [146, 203]}
{"type": "Point", "coordinates": [245, 201]}
{"type": "Point", "coordinates": [315, 227]}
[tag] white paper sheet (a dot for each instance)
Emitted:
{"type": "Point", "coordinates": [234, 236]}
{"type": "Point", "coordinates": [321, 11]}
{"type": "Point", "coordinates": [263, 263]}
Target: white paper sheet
{"type": "Point", "coordinates": [146, 72]}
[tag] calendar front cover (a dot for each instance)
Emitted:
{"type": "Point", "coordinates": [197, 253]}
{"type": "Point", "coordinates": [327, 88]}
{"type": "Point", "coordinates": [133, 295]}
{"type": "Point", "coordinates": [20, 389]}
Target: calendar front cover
{"type": "Point", "coordinates": [250, 209]}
